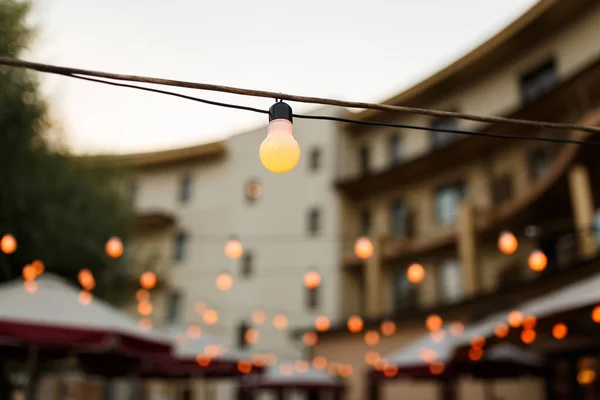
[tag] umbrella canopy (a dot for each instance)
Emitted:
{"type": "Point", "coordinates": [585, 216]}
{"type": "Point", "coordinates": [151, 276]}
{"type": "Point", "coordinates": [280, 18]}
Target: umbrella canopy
{"type": "Point", "coordinates": [280, 377]}
{"type": "Point", "coordinates": [500, 361]}
{"type": "Point", "coordinates": [200, 355]}
{"type": "Point", "coordinates": [52, 317]}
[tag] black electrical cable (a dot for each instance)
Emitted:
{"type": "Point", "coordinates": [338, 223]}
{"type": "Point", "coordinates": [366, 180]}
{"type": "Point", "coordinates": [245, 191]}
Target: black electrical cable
{"type": "Point", "coordinates": [339, 119]}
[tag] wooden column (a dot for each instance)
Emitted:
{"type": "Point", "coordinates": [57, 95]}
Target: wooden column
{"type": "Point", "coordinates": [467, 248]}
{"type": "Point", "coordinates": [373, 279]}
{"type": "Point", "coordinates": [582, 202]}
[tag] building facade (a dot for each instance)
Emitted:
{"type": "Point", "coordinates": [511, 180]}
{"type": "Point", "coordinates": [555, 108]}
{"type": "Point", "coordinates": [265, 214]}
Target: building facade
{"type": "Point", "coordinates": [441, 199]}
{"type": "Point", "coordinates": [190, 202]}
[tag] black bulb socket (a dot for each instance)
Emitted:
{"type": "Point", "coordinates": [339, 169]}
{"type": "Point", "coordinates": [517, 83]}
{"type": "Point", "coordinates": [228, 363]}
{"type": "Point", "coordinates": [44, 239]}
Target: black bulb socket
{"type": "Point", "coordinates": [280, 110]}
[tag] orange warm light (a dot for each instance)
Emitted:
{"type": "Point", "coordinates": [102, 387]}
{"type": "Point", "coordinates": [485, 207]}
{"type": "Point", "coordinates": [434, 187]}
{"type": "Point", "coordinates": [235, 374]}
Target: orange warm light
{"type": "Point", "coordinates": [312, 280]}
{"type": "Point", "coordinates": [280, 321]}
{"type": "Point", "coordinates": [29, 273]}
{"type": "Point", "coordinates": [224, 281]}
{"type": "Point", "coordinates": [86, 279]}
{"type": "Point", "coordinates": [39, 267]}
{"type": "Point", "coordinates": [203, 360]}
{"type": "Point", "coordinates": [194, 331]}
{"type": "Point", "coordinates": [258, 317]}
{"type": "Point", "coordinates": [8, 244]}
{"type": "Point", "coordinates": [310, 338]}
{"type": "Point", "coordinates": [436, 368]}
{"type": "Point", "coordinates": [528, 336]}
{"type": "Point", "coordinates": [507, 243]}
{"type": "Point", "coordinates": [388, 328]}
{"type": "Point", "coordinates": [234, 249]}
{"type": "Point", "coordinates": [114, 247]}
{"type": "Point", "coordinates": [200, 307]}
{"type": "Point", "coordinates": [515, 318]}
{"type": "Point", "coordinates": [84, 298]}
{"type": "Point", "coordinates": [428, 355]}
{"type": "Point", "coordinates": [210, 317]}
{"type": "Point", "coordinates": [559, 331]}
{"type": "Point", "coordinates": [437, 336]}
{"type": "Point", "coordinates": [501, 330]}
{"type": "Point", "coordinates": [322, 323]}
{"type": "Point", "coordinates": [529, 322]}
{"type": "Point", "coordinates": [537, 261]}
{"type": "Point", "coordinates": [355, 324]}
{"type": "Point", "coordinates": [390, 371]}
{"type": "Point", "coordinates": [148, 280]}
{"type": "Point", "coordinates": [372, 357]}
{"type": "Point", "coordinates": [415, 273]}
{"type": "Point", "coordinates": [251, 336]}
{"type": "Point", "coordinates": [319, 363]}
{"type": "Point", "coordinates": [245, 367]}
{"type": "Point", "coordinates": [363, 248]}
{"type": "Point", "coordinates": [475, 353]}
{"type": "Point", "coordinates": [371, 338]}
{"type": "Point", "coordinates": [301, 366]}
{"type": "Point", "coordinates": [345, 370]}
{"type": "Point", "coordinates": [456, 329]}
{"type": "Point", "coordinates": [434, 323]}
{"type": "Point", "coordinates": [144, 308]}
{"type": "Point", "coordinates": [596, 315]}
{"type": "Point", "coordinates": [478, 341]}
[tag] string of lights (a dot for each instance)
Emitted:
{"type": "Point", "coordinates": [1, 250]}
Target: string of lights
{"type": "Point", "coordinates": [463, 132]}
{"type": "Point", "coordinates": [54, 69]}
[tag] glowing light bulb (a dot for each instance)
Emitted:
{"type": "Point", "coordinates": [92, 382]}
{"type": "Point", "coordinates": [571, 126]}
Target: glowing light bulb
{"type": "Point", "coordinates": [86, 279]}
{"type": "Point", "coordinates": [434, 323]}
{"type": "Point", "coordinates": [312, 280]}
{"type": "Point", "coordinates": [39, 267]}
{"type": "Point", "coordinates": [114, 247]}
{"type": "Point", "coordinates": [475, 353]}
{"type": "Point", "coordinates": [436, 368]}
{"type": "Point", "coordinates": [29, 273]}
{"type": "Point", "coordinates": [280, 152]}
{"type": "Point", "coordinates": [596, 314]}
{"type": "Point", "coordinates": [501, 330]}
{"type": "Point", "coordinates": [280, 321]}
{"type": "Point", "coordinates": [507, 243]}
{"type": "Point", "coordinates": [319, 362]}
{"type": "Point", "coordinates": [355, 324]}
{"type": "Point", "coordinates": [456, 328]}
{"type": "Point", "coordinates": [8, 244]}
{"type": "Point", "coordinates": [144, 308]}
{"type": "Point", "coordinates": [142, 295]}
{"type": "Point", "coordinates": [528, 336]}
{"type": "Point", "coordinates": [515, 318]}
{"type": "Point", "coordinates": [224, 281]}
{"type": "Point", "coordinates": [244, 366]}
{"type": "Point", "coordinates": [388, 328]}
{"type": "Point", "coordinates": [301, 366]}
{"type": "Point", "coordinates": [310, 338]}
{"type": "Point", "coordinates": [559, 331]}
{"type": "Point", "coordinates": [363, 248]}
{"type": "Point", "coordinates": [148, 280]}
{"type": "Point", "coordinates": [258, 317]}
{"type": "Point", "coordinates": [194, 331]}
{"type": "Point", "coordinates": [251, 336]}
{"type": "Point", "coordinates": [234, 249]}
{"type": "Point", "coordinates": [203, 360]}
{"type": "Point", "coordinates": [210, 317]}
{"type": "Point", "coordinates": [537, 261]}
{"type": "Point", "coordinates": [415, 273]}
{"type": "Point", "coordinates": [322, 323]}
{"type": "Point", "coordinates": [371, 338]}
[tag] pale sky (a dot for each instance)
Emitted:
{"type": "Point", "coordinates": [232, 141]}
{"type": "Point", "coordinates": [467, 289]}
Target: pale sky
{"type": "Point", "coordinates": [349, 49]}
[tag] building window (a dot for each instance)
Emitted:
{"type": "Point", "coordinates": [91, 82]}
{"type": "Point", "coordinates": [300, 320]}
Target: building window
{"type": "Point", "coordinates": [539, 81]}
{"type": "Point", "coordinates": [365, 222]}
{"type": "Point", "coordinates": [404, 291]}
{"type": "Point", "coordinates": [395, 149]}
{"type": "Point", "coordinates": [180, 246]}
{"type": "Point", "coordinates": [247, 264]}
{"type": "Point", "coordinates": [185, 188]}
{"type": "Point", "coordinates": [502, 188]}
{"type": "Point", "coordinates": [312, 298]}
{"type": "Point", "coordinates": [243, 327]}
{"type": "Point", "coordinates": [450, 282]}
{"type": "Point", "coordinates": [442, 139]}
{"type": "Point", "coordinates": [314, 221]}
{"type": "Point", "coordinates": [253, 191]}
{"type": "Point", "coordinates": [400, 224]}
{"type": "Point", "coordinates": [314, 159]}
{"type": "Point", "coordinates": [174, 307]}
{"type": "Point", "coordinates": [538, 162]}
{"type": "Point", "coordinates": [447, 200]}
{"type": "Point", "coordinates": [364, 160]}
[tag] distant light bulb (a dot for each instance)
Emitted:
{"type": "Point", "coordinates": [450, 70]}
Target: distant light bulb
{"type": "Point", "coordinates": [86, 279]}
{"type": "Point", "coordinates": [507, 243]}
{"type": "Point", "coordinates": [363, 248]}
{"type": "Point", "coordinates": [29, 273]}
{"type": "Point", "coordinates": [8, 244]}
{"type": "Point", "coordinates": [537, 261]}
{"type": "Point", "coordinates": [355, 324]}
{"type": "Point", "coordinates": [224, 281]}
{"type": "Point", "coordinates": [312, 280]}
{"type": "Point", "coordinates": [234, 249]}
{"type": "Point", "coordinates": [280, 152]}
{"type": "Point", "coordinates": [388, 328]}
{"type": "Point", "coordinates": [148, 280]}
{"type": "Point", "coordinates": [415, 273]}
{"type": "Point", "coordinates": [114, 247]}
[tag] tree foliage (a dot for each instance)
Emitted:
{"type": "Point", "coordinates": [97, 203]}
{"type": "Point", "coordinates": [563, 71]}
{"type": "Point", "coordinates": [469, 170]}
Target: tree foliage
{"type": "Point", "coordinates": [60, 209]}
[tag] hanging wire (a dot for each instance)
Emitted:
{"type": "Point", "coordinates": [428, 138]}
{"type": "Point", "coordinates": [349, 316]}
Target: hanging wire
{"type": "Point", "coordinates": [54, 69]}
{"type": "Point", "coordinates": [463, 132]}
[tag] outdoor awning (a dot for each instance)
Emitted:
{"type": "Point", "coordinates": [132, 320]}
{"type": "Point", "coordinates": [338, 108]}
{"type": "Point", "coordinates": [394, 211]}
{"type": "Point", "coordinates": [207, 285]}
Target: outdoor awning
{"type": "Point", "coordinates": [221, 360]}
{"type": "Point", "coordinates": [52, 317]}
{"type": "Point", "coordinates": [279, 376]}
